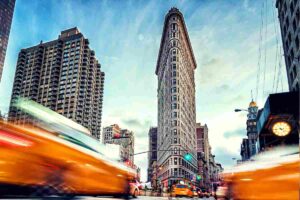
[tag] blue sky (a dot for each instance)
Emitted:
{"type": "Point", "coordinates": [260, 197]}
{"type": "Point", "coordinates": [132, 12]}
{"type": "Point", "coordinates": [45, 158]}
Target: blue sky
{"type": "Point", "coordinates": [126, 36]}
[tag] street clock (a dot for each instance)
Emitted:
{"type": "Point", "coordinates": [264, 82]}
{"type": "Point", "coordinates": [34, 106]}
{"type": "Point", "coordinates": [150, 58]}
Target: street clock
{"type": "Point", "coordinates": [281, 128]}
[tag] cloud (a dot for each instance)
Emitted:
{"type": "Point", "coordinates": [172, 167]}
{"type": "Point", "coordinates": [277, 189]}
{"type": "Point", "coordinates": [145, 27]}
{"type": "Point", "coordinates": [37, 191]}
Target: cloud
{"type": "Point", "coordinates": [137, 124]}
{"type": "Point", "coordinates": [248, 7]}
{"type": "Point", "coordinates": [239, 98]}
{"type": "Point", "coordinates": [226, 158]}
{"type": "Point", "coordinates": [236, 133]}
{"type": "Point", "coordinates": [133, 122]}
{"type": "Point", "coordinates": [224, 88]}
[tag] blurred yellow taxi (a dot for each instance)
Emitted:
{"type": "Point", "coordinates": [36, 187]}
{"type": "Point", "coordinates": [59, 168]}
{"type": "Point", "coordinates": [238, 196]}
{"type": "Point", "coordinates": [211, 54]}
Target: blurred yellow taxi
{"type": "Point", "coordinates": [57, 160]}
{"type": "Point", "coordinates": [269, 175]}
{"type": "Point", "coordinates": [181, 190]}
{"type": "Point", "coordinates": [35, 161]}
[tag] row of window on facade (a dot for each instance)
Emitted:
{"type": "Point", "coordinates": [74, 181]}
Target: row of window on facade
{"type": "Point", "coordinates": [72, 43]}
{"type": "Point", "coordinates": [71, 53]}
{"type": "Point", "coordinates": [71, 59]}
{"type": "Point", "coordinates": [177, 172]}
{"type": "Point", "coordinates": [296, 21]}
{"type": "Point", "coordinates": [251, 123]}
{"type": "Point", "coordinates": [293, 4]}
{"type": "Point", "coordinates": [67, 90]}
{"type": "Point", "coordinates": [292, 59]}
{"type": "Point", "coordinates": [66, 70]}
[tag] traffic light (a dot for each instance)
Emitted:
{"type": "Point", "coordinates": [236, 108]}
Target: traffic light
{"type": "Point", "coordinates": [198, 177]}
{"type": "Point", "coordinates": [187, 157]}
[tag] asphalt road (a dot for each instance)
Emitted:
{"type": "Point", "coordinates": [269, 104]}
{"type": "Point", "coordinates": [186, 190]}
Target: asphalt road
{"type": "Point", "coordinates": [151, 198]}
{"type": "Point", "coordinates": [139, 198]}
{"type": "Point", "coordinates": [148, 198]}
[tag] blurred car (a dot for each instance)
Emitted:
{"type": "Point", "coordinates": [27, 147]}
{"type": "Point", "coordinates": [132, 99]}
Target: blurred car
{"type": "Point", "coordinates": [138, 184]}
{"type": "Point", "coordinates": [195, 193]}
{"type": "Point", "coordinates": [39, 162]}
{"type": "Point", "coordinates": [200, 194]}
{"type": "Point", "coordinates": [213, 194]}
{"type": "Point", "coordinates": [204, 193]}
{"type": "Point", "coordinates": [208, 194]}
{"type": "Point", "coordinates": [221, 192]}
{"type": "Point", "coordinates": [134, 189]}
{"type": "Point", "coordinates": [57, 160]}
{"type": "Point", "coordinates": [181, 190]}
{"type": "Point", "coordinates": [271, 175]}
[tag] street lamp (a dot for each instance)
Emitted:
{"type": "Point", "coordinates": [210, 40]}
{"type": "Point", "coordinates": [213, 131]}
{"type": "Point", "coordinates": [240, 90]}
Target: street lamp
{"type": "Point", "coordinates": [239, 110]}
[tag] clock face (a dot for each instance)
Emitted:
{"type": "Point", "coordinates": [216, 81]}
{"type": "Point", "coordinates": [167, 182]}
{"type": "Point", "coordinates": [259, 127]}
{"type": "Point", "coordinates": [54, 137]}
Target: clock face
{"type": "Point", "coordinates": [281, 128]}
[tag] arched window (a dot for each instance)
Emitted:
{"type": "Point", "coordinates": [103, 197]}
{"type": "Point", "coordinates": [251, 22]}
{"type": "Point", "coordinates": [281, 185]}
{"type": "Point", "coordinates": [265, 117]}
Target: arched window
{"type": "Point", "coordinates": [174, 26]}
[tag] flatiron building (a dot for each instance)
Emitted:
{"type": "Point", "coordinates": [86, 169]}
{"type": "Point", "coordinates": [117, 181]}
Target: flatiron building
{"type": "Point", "coordinates": [176, 129]}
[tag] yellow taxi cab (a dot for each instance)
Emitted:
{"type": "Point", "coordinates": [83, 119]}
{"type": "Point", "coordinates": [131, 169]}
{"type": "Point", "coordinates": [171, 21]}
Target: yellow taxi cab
{"type": "Point", "coordinates": [57, 161]}
{"type": "Point", "coordinates": [179, 190]}
{"type": "Point", "coordinates": [269, 175]}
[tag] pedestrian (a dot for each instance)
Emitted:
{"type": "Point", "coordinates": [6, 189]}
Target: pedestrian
{"type": "Point", "coordinates": [159, 191]}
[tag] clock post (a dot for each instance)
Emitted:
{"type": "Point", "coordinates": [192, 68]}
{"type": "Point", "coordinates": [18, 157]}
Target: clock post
{"type": "Point", "coordinates": [277, 122]}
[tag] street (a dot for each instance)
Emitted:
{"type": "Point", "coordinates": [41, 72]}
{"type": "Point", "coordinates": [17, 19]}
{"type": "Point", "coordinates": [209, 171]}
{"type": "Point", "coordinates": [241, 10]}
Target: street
{"type": "Point", "coordinates": [139, 198]}
{"type": "Point", "coordinates": [153, 198]}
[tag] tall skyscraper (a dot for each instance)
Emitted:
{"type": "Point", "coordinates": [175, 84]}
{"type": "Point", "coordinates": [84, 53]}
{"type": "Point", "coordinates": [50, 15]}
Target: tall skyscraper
{"type": "Point", "coordinates": [289, 18]}
{"type": "Point", "coordinates": [249, 144]}
{"type": "Point", "coordinates": [245, 154]}
{"type": "Point", "coordinates": [6, 15]}
{"type": "Point", "coordinates": [152, 156]}
{"type": "Point", "coordinates": [63, 75]}
{"type": "Point", "coordinates": [176, 102]}
{"type": "Point", "coordinates": [113, 134]}
{"type": "Point", "coordinates": [251, 127]}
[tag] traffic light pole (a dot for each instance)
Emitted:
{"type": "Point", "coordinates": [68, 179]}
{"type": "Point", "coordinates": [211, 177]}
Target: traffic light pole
{"type": "Point", "coordinates": [187, 156]}
{"type": "Point", "coordinates": [158, 150]}
{"type": "Point", "coordinates": [151, 151]}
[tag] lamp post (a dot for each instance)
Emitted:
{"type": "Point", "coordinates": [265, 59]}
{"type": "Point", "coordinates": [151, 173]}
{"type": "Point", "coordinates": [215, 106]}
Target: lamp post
{"type": "Point", "coordinates": [239, 110]}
